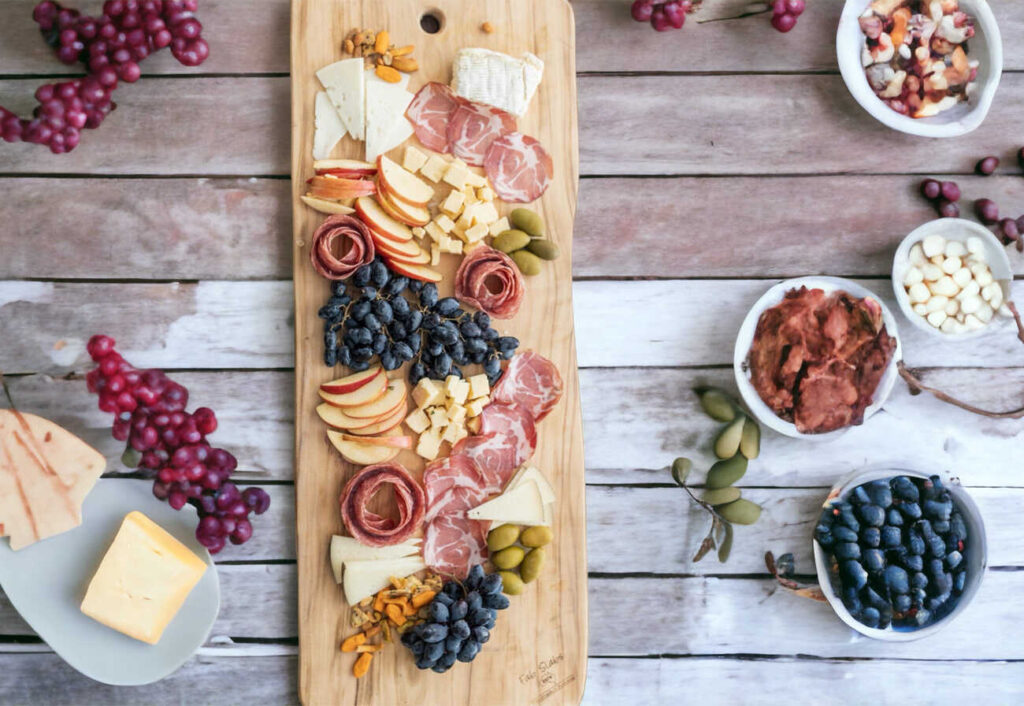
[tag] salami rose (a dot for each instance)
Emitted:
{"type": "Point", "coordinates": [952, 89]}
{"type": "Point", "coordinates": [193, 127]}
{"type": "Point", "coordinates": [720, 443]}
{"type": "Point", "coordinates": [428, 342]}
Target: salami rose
{"type": "Point", "coordinates": [490, 281]}
{"type": "Point", "coordinates": [332, 234]}
{"type": "Point", "coordinates": [369, 527]}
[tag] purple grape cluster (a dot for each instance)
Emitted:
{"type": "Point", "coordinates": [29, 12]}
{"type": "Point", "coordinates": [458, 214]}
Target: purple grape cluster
{"type": "Point", "coordinates": [785, 13]}
{"type": "Point", "coordinates": [663, 16]}
{"type": "Point", "coordinates": [110, 47]}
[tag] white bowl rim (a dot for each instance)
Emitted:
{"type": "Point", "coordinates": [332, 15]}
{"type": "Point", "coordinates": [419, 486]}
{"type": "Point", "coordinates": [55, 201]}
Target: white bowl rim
{"type": "Point", "coordinates": [965, 504]}
{"type": "Point", "coordinates": [856, 81]}
{"type": "Point", "coordinates": [745, 338]}
{"type": "Point", "coordinates": [901, 261]}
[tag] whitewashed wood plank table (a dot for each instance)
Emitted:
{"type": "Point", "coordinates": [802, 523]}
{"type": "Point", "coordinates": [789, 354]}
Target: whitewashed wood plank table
{"type": "Point", "coordinates": [715, 161]}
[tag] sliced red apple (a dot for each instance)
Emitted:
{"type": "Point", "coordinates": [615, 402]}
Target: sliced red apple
{"type": "Point", "coordinates": [419, 272]}
{"type": "Point", "coordinates": [395, 442]}
{"type": "Point", "coordinates": [360, 453]}
{"type": "Point", "coordinates": [399, 248]}
{"type": "Point", "coordinates": [327, 187]}
{"type": "Point", "coordinates": [401, 211]}
{"type": "Point", "coordinates": [385, 426]}
{"type": "Point", "coordinates": [325, 166]}
{"type": "Point", "coordinates": [379, 221]}
{"type": "Point", "coordinates": [403, 184]}
{"type": "Point", "coordinates": [326, 206]}
{"type": "Point", "coordinates": [351, 382]}
{"type": "Point", "coordinates": [422, 257]}
{"type": "Point", "coordinates": [360, 396]}
{"type": "Point", "coordinates": [395, 395]}
{"type": "Point", "coordinates": [336, 417]}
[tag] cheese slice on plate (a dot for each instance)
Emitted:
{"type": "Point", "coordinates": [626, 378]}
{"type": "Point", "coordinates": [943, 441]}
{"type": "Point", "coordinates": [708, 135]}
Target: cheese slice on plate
{"type": "Point", "coordinates": [520, 506]}
{"type": "Point", "coordinates": [497, 79]}
{"type": "Point", "coordinates": [365, 577]}
{"type": "Point", "coordinates": [345, 83]}
{"type": "Point", "coordinates": [329, 128]}
{"type": "Point", "coordinates": [346, 549]}
{"type": "Point", "coordinates": [386, 124]}
{"type": "Point", "coordinates": [547, 493]}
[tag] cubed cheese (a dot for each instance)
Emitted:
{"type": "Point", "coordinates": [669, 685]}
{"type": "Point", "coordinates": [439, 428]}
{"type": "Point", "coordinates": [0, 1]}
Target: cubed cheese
{"type": "Point", "coordinates": [499, 226]}
{"type": "Point", "coordinates": [456, 414]}
{"type": "Point", "coordinates": [475, 180]}
{"type": "Point", "coordinates": [470, 193]}
{"type": "Point", "coordinates": [451, 433]}
{"type": "Point", "coordinates": [475, 407]}
{"type": "Point", "coordinates": [473, 425]}
{"type": "Point", "coordinates": [449, 385]}
{"type": "Point", "coordinates": [461, 392]}
{"type": "Point", "coordinates": [436, 233]}
{"type": "Point", "coordinates": [414, 159]}
{"type": "Point", "coordinates": [443, 243]}
{"type": "Point", "coordinates": [454, 246]}
{"type": "Point", "coordinates": [417, 421]}
{"type": "Point", "coordinates": [460, 434]}
{"type": "Point", "coordinates": [445, 223]}
{"type": "Point", "coordinates": [438, 417]}
{"type": "Point", "coordinates": [454, 203]}
{"type": "Point", "coordinates": [435, 168]}
{"type": "Point", "coordinates": [435, 255]}
{"type": "Point", "coordinates": [478, 386]}
{"type": "Point", "coordinates": [427, 393]}
{"type": "Point", "coordinates": [456, 175]}
{"type": "Point", "coordinates": [142, 581]}
{"type": "Point", "coordinates": [419, 231]}
{"type": "Point", "coordinates": [470, 247]}
{"type": "Point", "coordinates": [429, 444]}
{"type": "Point", "coordinates": [485, 213]}
{"type": "Point", "coordinates": [485, 193]}
{"type": "Point", "coordinates": [476, 233]}
{"type": "Point", "coordinates": [465, 221]}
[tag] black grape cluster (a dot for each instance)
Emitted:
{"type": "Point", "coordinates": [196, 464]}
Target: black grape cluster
{"type": "Point", "coordinates": [380, 314]}
{"type": "Point", "coordinates": [461, 618]}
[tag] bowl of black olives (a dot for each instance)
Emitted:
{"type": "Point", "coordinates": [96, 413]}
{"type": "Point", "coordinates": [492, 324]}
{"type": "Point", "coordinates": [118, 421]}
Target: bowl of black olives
{"type": "Point", "coordinates": [899, 553]}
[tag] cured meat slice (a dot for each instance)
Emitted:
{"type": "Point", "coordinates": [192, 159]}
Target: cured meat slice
{"type": "Point", "coordinates": [443, 475]}
{"type": "Point", "coordinates": [489, 280]}
{"type": "Point", "coordinates": [430, 112]}
{"type": "Point", "coordinates": [369, 527]}
{"type": "Point", "coordinates": [473, 127]}
{"type": "Point", "coordinates": [453, 543]}
{"type": "Point", "coordinates": [495, 456]}
{"type": "Point", "coordinates": [516, 423]}
{"type": "Point", "coordinates": [532, 382]}
{"type": "Point", "coordinates": [360, 249]}
{"type": "Point", "coordinates": [519, 168]}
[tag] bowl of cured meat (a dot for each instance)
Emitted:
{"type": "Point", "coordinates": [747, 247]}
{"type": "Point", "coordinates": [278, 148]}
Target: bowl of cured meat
{"type": "Point", "coordinates": [924, 67]}
{"type": "Point", "coordinates": [816, 356]}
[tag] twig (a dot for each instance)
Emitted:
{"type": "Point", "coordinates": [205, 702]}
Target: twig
{"type": "Point", "coordinates": [748, 13]}
{"type": "Point", "coordinates": [811, 591]}
{"type": "Point", "coordinates": [1016, 319]}
{"type": "Point", "coordinates": [917, 387]}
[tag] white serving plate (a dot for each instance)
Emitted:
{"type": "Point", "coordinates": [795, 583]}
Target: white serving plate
{"type": "Point", "coordinates": [47, 581]}
{"type": "Point", "coordinates": [762, 412]}
{"type": "Point", "coordinates": [986, 46]}
{"type": "Point", "coordinates": [977, 555]}
{"type": "Point", "coordinates": [952, 229]}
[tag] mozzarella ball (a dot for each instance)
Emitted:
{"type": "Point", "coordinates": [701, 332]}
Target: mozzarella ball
{"type": "Point", "coordinates": [936, 318]}
{"type": "Point", "coordinates": [955, 248]}
{"type": "Point", "coordinates": [931, 272]}
{"type": "Point", "coordinates": [933, 245]}
{"type": "Point", "coordinates": [919, 293]}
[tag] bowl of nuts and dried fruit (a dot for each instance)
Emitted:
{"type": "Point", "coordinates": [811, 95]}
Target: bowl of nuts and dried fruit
{"type": "Point", "coordinates": [952, 279]}
{"type": "Point", "coordinates": [924, 67]}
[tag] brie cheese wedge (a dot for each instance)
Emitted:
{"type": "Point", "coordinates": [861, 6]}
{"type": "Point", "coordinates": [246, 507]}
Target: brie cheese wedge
{"type": "Point", "coordinates": [497, 79]}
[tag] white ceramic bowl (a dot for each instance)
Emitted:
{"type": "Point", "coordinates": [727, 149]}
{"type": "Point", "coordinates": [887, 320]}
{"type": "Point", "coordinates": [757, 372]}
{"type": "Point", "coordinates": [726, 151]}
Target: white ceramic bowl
{"type": "Point", "coordinates": [986, 46]}
{"type": "Point", "coordinates": [976, 555]}
{"type": "Point", "coordinates": [952, 229]}
{"type": "Point", "coordinates": [762, 412]}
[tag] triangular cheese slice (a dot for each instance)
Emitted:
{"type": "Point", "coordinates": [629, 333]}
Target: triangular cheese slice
{"type": "Point", "coordinates": [45, 474]}
{"type": "Point", "coordinates": [547, 493]}
{"type": "Point", "coordinates": [520, 506]}
{"type": "Point", "coordinates": [345, 84]}
{"type": "Point", "coordinates": [386, 124]}
{"type": "Point", "coordinates": [329, 128]}
{"type": "Point", "coordinates": [364, 578]}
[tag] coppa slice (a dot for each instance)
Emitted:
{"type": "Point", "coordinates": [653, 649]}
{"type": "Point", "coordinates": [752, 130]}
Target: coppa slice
{"type": "Point", "coordinates": [361, 453]}
{"type": "Point", "coordinates": [351, 382]}
{"type": "Point", "coordinates": [402, 184]}
{"type": "Point", "coordinates": [385, 425]}
{"type": "Point", "coordinates": [380, 222]}
{"type": "Point", "coordinates": [360, 396]}
{"type": "Point", "coordinates": [394, 396]}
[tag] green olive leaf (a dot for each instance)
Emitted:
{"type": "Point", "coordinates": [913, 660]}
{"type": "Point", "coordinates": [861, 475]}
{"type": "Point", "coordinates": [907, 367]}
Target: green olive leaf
{"type": "Point", "coordinates": [725, 547]}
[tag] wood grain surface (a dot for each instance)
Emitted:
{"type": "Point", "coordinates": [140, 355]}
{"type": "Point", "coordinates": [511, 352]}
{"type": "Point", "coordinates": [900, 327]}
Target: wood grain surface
{"type": "Point", "coordinates": [547, 623]}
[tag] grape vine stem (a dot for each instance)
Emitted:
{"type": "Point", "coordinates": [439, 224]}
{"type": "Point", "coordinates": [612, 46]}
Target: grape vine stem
{"type": "Point", "coordinates": [917, 387]}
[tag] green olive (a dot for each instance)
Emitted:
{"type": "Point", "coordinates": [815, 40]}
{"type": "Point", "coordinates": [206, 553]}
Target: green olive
{"type": "Point", "coordinates": [740, 512]}
{"type": "Point", "coordinates": [728, 442]}
{"type": "Point", "coordinates": [750, 442]}
{"type": "Point", "coordinates": [532, 564]}
{"type": "Point", "coordinates": [725, 473]}
{"type": "Point", "coordinates": [717, 405]}
{"type": "Point", "coordinates": [544, 249]}
{"type": "Point", "coordinates": [508, 558]}
{"type": "Point", "coordinates": [681, 468]}
{"type": "Point", "coordinates": [528, 221]}
{"type": "Point", "coordinates": [501, 537]}
{"type": "Point", "coordinates": [509, 241]}
{"type": "Point", "coordinates": [511, 583]}
{"type": "Point", "coordinates": [721, 496]}
{"type": "Point", "coordinates": [536, 536]}
{"type": "Point", "coordinates": [527, 262]}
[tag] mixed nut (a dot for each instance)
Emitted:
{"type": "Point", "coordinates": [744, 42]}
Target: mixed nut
{"type": "Point", "coordinates": [377, 48]}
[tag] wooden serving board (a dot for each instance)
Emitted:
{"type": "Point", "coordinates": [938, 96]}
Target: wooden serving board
{"type": "Point", "coordinates": [537, 652]}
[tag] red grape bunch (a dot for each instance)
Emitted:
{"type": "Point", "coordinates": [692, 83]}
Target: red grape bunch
{"type": "Point", "coordinates": [663, 16]}
{"type": "Point", "coordinates": [169, 444]}
{"type": "Point", "coordinates": [785, 12]}
{"type": "Point", "coordinates": [110, 47]}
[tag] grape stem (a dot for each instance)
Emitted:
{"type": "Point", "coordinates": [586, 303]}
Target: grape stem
{"type": "Point", "coordinates": [1016, 319]}
{"type": "Point", "coordinates": [753, 9]}
{"type": "Point", "coordinates": [812, 591]}
{"type": "Point", "coordinates": [917, 387]}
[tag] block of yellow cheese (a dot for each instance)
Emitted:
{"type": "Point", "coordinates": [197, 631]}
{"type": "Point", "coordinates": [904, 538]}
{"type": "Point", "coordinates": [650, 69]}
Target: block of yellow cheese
{"type": "Point", "coordinates": [143, 580]}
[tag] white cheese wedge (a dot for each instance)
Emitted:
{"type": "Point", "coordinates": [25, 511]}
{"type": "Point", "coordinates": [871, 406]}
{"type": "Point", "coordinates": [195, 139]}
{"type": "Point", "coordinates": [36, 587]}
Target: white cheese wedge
{"type": "Point", "coordinates": [386, 124]}
{"type": "Point", "coordinates": [530, 473]}
{"type": "Point", "coordinates": [345, 84]}
{"type": "Point", "coordinates": [497, 79]}
{"type": "Point", "coordinates": [329, 128]}
{"type": "Point", "coordinates": [363, 578]}
{"type": "Point", "coordinates": [346, 549]}
{"type": "Point", "coordinates": [520, 506]}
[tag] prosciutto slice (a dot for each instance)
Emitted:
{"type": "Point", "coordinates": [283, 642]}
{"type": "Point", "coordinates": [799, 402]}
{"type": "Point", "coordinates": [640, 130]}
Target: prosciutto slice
{"type": "Point", "coordinates": [532, 382]}
{"type": "Point", "coordinates": [494, 454]}
{"type": "Point", "coordinates": [516, 424]}
{"type": "Point", "coordinates": [430, 112]}
{"type": "Point", "coordinates": [473, 127]}
{"type": "Point", "coordinates": [360, 250]}
{"type": "Point", "coordinates": [369, 527]}
{"type": "Point", "coordinates": [519, 168]}
{"type": "Point", "coordinates": [489, 280]}
{"type": "Point", "coordinates": [444, 475]}
{"type": "Point", "coordinates": [453, 543]}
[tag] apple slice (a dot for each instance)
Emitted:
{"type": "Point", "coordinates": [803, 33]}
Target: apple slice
{"type": "Point", "coordinates": [422, 257]}
{"type": "Point", "coordinates": [351, 382]}
{"type": "Point", "coordinates": [359, 453]}
{"type": "Point", "coordinates": [326, 166]}
{"type": "Point", "coordinates": [419, 272]}
{"type": "Point", "coordinates": [395, 442]}
{"type": "Point", "coordinates": [401, 249]}
{"type": "Point", "coordinates": [401, 211]}
{"type": "Point", "coordinates": [326, 206]}
{"type": "Point", "coordinates": [328, 187]}
{"type": "Point", "coordinates": [384, 426]}
{"type": "Point", "coordinates": [336, 417]}
{"type": "Point", "coordinates": [395, 395]}
{"type": "Point", "coordinates": [360, 396]}
{"type": "Point", "coordinates": [384, 225]}
{"type": "Point", "coordinates": [403, 184]}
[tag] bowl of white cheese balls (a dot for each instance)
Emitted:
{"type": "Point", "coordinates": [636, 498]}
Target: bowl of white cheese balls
{"type": "Point", "coordinates": [952, 279]}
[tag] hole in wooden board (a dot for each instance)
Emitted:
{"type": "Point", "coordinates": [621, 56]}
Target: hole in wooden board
{"type": "Point", "coordinates": [432, 21]}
